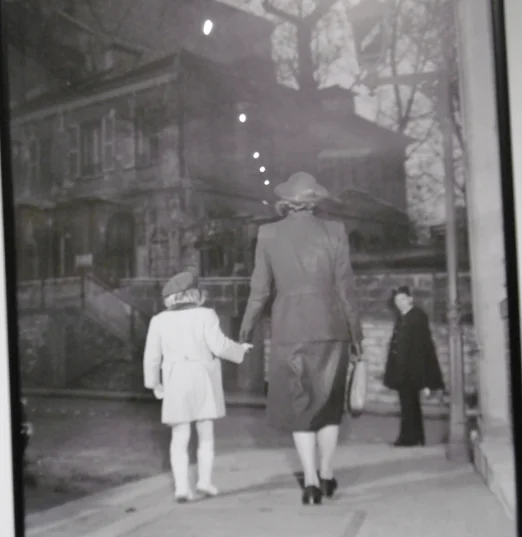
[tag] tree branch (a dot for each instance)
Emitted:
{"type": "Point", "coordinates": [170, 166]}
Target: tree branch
{"type": "Point", "coordinates": [393, 63]}
{"type": "Point", "coordinates": [280, 14]}
{"type": "Point", "coordinates": [321, 9]}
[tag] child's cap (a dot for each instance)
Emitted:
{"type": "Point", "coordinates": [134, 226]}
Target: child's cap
{"type": "Point", "coordinates": [179, 283]}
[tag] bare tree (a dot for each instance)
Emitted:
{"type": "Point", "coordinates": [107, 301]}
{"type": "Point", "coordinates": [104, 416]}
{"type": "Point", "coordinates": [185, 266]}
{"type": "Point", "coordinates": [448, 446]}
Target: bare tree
{"type": "Point", "coordinates": [422, 41]}
{"type": "Point", "coordinates": [310, 24]}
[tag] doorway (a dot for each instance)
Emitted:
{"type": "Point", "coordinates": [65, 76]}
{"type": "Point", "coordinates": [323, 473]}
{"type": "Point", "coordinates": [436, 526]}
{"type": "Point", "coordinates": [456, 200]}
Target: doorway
{"type": "Point", "coordinates": [119, 246]}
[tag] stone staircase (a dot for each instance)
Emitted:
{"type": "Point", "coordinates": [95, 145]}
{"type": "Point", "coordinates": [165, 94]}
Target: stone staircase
{"type": "Point", "coordinates": [111, 306]}
{"type": "Point", "coordinates": [115, 311]}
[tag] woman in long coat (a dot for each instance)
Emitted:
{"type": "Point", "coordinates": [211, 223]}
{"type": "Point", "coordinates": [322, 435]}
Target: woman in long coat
{"type": "Point", "coordinates": [305, 260]}
{"type": "Point", "coordinates": [412, 366]}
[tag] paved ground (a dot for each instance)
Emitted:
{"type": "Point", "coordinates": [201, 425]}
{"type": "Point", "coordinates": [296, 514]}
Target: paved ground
{"type": "Point", "coordinates": [83, 446]}
{"type": "Point", "coordinates": [383, 492]}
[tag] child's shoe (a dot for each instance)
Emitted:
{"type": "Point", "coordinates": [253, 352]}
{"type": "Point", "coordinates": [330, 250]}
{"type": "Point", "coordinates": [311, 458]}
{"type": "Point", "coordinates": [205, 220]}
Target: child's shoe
{"type": "Point", "coordinates": [207, 490]}
{"type": "Point", "coordinates": [183, 497]}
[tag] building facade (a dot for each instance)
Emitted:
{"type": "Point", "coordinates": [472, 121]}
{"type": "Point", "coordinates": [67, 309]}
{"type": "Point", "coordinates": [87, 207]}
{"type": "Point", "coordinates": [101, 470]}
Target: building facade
{"type": "Point", "coordinates": [171, 164]}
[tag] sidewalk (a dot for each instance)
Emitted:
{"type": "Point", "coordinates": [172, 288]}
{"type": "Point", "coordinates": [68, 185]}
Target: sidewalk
{"type": "Point", "coordinates": [383, 491]}
{"type": "Point", "coordinates": [81, 446]}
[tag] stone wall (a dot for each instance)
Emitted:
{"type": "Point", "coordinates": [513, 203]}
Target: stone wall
{"type": "Point", "coordinates": [41, 295]}
{"type": "Point", "coordinates": [36, 367]}
{"type": "Point", "coordinates": [373, 288]}
{"type": "Point", "coordinates": [377, 334]}
{"type": "Point", "coordinates": [58, 347]}
{"type": "Point", "coordinates": [228, 296]}
{"type": "Point", "coordinates": [429, 288]}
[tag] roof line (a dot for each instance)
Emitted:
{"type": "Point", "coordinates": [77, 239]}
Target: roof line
{"type": "Point", "coordinates": [79, 102]}
{"type": "Point", "coordinates": [374, 199]}
{"type": "Point", "coordinates": [131, 47]}
{"type": "Point", "coordinates": [72, 102]}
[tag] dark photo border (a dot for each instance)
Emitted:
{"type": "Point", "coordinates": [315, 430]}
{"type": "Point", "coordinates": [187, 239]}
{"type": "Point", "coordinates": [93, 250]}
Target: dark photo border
{"type": "Point", "coordinates": [498, 18]}
{"type": "Point", "coordinates": [10, 288]}
{"type": "Point", "coordinates": [512, 264]}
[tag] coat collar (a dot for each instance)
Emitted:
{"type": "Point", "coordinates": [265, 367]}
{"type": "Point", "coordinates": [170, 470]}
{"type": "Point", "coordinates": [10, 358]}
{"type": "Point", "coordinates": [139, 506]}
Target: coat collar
{"type": "Point", "coordinates": [299, 214]}
{"type": "Point", "coordinates": [181, 307]}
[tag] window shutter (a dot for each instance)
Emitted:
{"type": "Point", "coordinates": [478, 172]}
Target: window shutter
{"type": "Point", "coordinates": [74, 151]}
{"type": "Point", "coordinates": [108, 125]}
{"type": "Point", "coordinates": [139, 137]}
{"type": "Point", "coordinates": [125, 142]}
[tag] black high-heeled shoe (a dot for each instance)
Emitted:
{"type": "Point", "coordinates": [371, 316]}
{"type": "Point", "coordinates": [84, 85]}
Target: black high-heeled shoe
{"type": "Point", "coordinates": [328, 486]}
{"type": "Point", "coordinates": [312, 495]}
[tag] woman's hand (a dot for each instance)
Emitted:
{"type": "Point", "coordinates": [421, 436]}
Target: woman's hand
{"type": "Point", "coordinates": [355, 352]}
{"type": "Point", "coordinates": [246, 346]}
{"type": "Point", "coordinates": [159, 392]}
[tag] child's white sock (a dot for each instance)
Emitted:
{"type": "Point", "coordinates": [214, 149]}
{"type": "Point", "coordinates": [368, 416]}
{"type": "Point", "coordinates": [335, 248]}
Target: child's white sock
{"type": "Point", "coordinates": [205, 465]}
{"type": "Point", "coordinates": [205, 457]}
{"type": "Point", "coordinates": [179, 460]}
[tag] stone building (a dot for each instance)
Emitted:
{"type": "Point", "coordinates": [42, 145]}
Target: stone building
{"type": "Point", "coordinates": [144, 166]}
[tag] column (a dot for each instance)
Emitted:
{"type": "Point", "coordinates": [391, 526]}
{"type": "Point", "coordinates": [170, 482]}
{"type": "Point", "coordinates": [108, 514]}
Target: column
{"type": "Point", "coordinates": [484, 204]}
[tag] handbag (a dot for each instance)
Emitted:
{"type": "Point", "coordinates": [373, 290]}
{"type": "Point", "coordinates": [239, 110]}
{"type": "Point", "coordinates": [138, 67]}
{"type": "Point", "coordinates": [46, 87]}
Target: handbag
{"type": "Point", "coordinates": [357, 388]}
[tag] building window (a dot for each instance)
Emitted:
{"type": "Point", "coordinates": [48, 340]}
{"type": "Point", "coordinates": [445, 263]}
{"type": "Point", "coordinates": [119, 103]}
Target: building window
{"type": "Point", "coordinates": [336, 173]}
{"type": "Point", "coordinates": [146, 131]}
{"type": "Point", "coordinates": [46, 170]}
{"type": "Point", "coordinates": [108, 141]}
{"type": "Point", "coordinates": [32, 162]}
{"type": "Point", "coordinates": [96, 145]}
{"type": "Point", "coordinates": [73, 135]}
{"type": "Point", "coordinates": [99, 58]}
{"type": "Point", "coordinates": [91, 147]}
{"type": "Point", "coordinates": [374, 177]}
{"type": "Point", "coordinates": [356, 241]}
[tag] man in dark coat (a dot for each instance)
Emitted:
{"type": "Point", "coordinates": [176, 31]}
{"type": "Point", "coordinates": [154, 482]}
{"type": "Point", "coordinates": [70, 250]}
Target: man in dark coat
{"type": "Point", "coordinates": [412, 366]}
{"type": "Point", "coordinates": [305, 260]}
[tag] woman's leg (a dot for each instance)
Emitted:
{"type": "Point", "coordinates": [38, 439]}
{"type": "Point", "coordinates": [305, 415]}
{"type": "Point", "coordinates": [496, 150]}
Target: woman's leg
{"type": "Point", "coordinates": [327, 439]}
{"type": "Point", "coordinates": [179, 459]}
{"type": "Point", "coordinates": [205, 431]}
{"type": "Point", "coordinates": [305, 445]}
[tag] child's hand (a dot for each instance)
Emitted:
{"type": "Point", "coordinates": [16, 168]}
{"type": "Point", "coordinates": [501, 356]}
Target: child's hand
{"type": "Point", "coordinates": [247, 346]}
{"type": "Point", "coordinates": [159, 392]}
{"type": "Point", "coordinates": [426, 392]}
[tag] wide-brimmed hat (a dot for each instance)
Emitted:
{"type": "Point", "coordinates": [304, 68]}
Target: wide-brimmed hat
{"type": "Point", "coordinates": [179, 283]}
{"type": "Point", "coordinates": [301, 188]}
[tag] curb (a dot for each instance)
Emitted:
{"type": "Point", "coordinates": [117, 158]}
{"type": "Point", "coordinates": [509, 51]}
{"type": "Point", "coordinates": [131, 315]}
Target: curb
{"type": "Point", "coordinates": [232, 400]}
{"type": "Point", "coordinates": [239, 400]}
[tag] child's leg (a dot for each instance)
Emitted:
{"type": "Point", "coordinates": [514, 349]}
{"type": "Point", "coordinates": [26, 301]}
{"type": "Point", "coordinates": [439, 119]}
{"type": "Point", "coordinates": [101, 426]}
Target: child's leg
{"type": "Point", "coordinates": [205, 456]}
{"type": "Point", "coordinates": [179, 459]}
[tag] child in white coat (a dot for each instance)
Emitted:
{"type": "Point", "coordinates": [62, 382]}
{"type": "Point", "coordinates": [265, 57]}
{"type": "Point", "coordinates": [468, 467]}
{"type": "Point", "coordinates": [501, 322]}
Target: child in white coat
{"type": "Point", "coordinates": [181, 365]}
